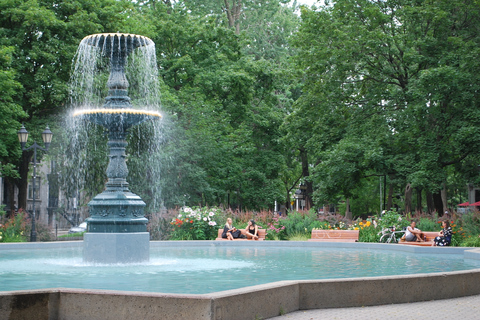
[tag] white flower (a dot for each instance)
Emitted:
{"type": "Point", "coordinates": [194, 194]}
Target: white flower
{"type": "Point", "coordinates": [212, 223]}
{"type": "Point", "coordinates": [204, 218]}
{"type": "Point", "coordinates": [187, 209]}
{"type": "Point", "coordinates": [179, 216]}
{"type": "Point", "coordinates": [211, 214]}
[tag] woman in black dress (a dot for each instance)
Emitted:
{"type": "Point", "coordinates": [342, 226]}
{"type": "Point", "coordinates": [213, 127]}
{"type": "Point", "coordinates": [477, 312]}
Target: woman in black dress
{"type": "Point", "coordinates": [252, 230]}
{"type": "Point", "coordinates": [444, 236]}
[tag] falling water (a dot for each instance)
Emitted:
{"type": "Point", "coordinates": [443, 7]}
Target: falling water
{"type": "Point", "coordinates": [85, 149]}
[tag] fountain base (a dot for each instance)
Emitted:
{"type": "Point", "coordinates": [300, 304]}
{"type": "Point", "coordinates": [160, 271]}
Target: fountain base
{"type": "Point", "coordinates": [112, 248]}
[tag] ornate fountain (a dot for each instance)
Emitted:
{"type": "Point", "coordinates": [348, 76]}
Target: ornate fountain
{"type": "Point", "coordinates": [117, 231]}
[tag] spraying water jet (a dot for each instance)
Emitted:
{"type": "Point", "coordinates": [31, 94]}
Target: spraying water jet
{"type": "Point", "coordinates": [117, 227]}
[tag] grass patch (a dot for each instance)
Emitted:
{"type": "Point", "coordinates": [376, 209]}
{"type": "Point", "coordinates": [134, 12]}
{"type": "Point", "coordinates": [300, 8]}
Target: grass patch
{"type": "Point", "coordinates": [300, 236]}
{"type": "Point", "coordinates": [72, 235]}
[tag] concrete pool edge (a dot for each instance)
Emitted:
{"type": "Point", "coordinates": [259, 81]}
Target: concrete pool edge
{"type": "Point", "coordinates": [261, 301]}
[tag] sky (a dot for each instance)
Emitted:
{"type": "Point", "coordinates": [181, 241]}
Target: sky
{"type": "Point", "coordinates": [306, 2]}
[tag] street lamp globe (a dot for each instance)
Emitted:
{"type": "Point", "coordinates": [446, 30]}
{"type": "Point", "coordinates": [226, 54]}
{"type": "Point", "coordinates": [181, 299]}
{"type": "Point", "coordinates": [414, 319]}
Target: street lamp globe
{"type": "Point", "coordinates": [23, 136]}
{"type": "Point", "coordinates": [47, 137]}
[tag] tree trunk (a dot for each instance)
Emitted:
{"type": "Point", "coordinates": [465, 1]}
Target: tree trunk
{"type": "Point", "coordinates": [408, 198]}
{"type": "Point", "coordinates": [9, 187]}
{"type": "Point", "coordinates": [430, 204]}
{"type": "Point", "coordinates": [390, 197]}
{"type": "Point", "coordinates": [438, 203]}
{"type": "Point", "coordinates": [444, 199]}
{"type": "Point", "coordinates": [22, 183]}
{"type": "Point", "coordinates": [233, 14]}
{"type": "Point", "coordinates": [348, 213]}
{"type": "Point", "coordinates": [305, 174]}
{"type": "Point", "coordinates": [418, 207]}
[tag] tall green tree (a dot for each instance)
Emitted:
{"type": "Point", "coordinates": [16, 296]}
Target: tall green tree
{"type": "Point", "coordinates": [44, 37]}
{"type": "Point", "coordinates": [393, 84]}
{"type": "Point", "coordinates": [224, 149]}
{"type": "Point", "coordinates": [10, 115]}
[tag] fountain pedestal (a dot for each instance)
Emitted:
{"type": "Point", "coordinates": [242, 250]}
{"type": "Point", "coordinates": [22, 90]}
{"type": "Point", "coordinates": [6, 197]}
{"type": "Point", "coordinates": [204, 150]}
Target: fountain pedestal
{"type": "Point", "coordinates": [112, 248]}
{"type": "Point", "coordinates": [117, 228]}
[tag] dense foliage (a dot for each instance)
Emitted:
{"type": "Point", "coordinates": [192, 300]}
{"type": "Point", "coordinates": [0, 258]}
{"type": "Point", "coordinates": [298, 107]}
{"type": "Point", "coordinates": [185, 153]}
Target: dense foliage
{"type": "Point", "coordinates": [367, 104]}
{"type": "Point", "coordinates": [393, 89]}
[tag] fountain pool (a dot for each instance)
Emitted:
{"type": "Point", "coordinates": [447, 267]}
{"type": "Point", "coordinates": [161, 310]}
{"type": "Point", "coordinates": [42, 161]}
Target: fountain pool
{"type": "Point", "coordinates": [208, 266]}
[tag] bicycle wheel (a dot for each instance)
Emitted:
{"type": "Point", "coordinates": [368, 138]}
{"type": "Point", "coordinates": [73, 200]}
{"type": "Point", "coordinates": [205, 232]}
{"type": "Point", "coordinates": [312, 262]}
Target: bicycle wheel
{"type": "Point", "coordinates": [385, 238]}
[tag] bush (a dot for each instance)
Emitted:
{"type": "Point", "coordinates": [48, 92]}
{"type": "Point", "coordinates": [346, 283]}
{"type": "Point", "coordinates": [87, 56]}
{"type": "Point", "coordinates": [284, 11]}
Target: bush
{"type": "Point", "coordinates": [392, 219]}
{"type": "Point", "coordinates": [44, 232]}
{"type": "Point", "coordinates": [299, 237]}
{"type": "Point", "coordinates": [470, 223]}
{"type": "Point", "coordinates": [159, 225]}
{"type": "Point", "coordinates": [195, 224]}
{"type": "Point", "coordinates": [471, 241]}
{"type": "Point", "coordinates": [426, 224]}
{"type": "Point", "coordinates": [13, 229]}
{"type": "Point", "coordinates": [297, 223]}
{"type": "Point", "coordinates": [368, 233]}
{"type": "Point", "coordinates": [276, 229]}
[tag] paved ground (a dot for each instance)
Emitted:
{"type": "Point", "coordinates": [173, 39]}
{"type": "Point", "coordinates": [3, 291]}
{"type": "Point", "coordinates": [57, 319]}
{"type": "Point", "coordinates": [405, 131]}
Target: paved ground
{"type": "Point", "coordinates": [467, 308]}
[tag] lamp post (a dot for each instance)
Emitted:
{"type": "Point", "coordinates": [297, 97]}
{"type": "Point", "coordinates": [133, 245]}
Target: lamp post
{"type": "Point", "coordinates": [47, 139]}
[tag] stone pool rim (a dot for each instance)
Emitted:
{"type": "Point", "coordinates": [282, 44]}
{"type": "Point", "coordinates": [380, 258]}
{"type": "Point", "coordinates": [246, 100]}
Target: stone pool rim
{"type": "Point", "coordinates": [263, 301]}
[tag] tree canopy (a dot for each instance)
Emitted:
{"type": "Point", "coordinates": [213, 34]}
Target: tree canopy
{"type": "Point", "coordinates": [261, 97]}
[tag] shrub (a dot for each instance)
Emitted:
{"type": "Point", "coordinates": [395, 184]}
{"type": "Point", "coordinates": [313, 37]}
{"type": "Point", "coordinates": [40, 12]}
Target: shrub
{"type": "Point", "coordinates": [195, 224]}
{"type": "Point", "coordinates": [297, 223]}
{"type": "Point", "coordinates": [240, 218]}
{"type": "Point", "coordinates": [458, 234]}
{"type": "Point", "coordinates": [426, 224]}
{"type": "Point", "coordinates": [392, 219]}
{"type": "Point", "coordinates": [159, 225]}
{"type": "Point", "coordinates": [471, 241]}
{"type": "Point", "coordinates": [333, 221]}
{"type": "Point", "coordinates": [13, 229]}
{"type": "Point", "coordinates": [44, 232]}
{"type": "Point", "coordinates": [276, 229]}
{"type": "Point", "coordinates": [470, 222]}
{"type": "Point", "coordinates": [368, 233]}
{"type": "Point", "coordinates": [299, 237]}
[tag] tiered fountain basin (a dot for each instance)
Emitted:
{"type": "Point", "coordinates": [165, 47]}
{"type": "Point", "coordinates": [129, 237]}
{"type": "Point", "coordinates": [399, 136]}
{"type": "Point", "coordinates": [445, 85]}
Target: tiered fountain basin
{"type": "Point", "coordinates": [116, 226]}
{"type": "Point", "coordinates": [118, 41]}
{"type": "Point", "coordinates": [217, 279]}
{"type": "Point", "coordinates": [118, 119]}
{"type": "Point", "coordinates": [111, 118]}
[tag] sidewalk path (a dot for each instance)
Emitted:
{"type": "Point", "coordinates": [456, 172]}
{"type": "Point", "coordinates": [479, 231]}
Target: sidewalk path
{"type": "Point", "coordinates": [466, 308]}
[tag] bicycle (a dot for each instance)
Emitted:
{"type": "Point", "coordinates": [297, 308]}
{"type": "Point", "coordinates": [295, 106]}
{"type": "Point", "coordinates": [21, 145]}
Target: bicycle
{"type": "Point", "coordinates": [389, 235]}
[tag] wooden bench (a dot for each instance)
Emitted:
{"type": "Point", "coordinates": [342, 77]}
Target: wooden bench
{"type": "Point", "coordinates": [334, 235]}
{"type": "Point", "coordinates": [430, 236]}
{"type": "Point", "coordinates": [261, 235]}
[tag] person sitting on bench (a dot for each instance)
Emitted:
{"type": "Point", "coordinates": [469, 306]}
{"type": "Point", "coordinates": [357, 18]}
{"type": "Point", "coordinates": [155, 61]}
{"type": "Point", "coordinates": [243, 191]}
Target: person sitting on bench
{"type": "Point", "coordinates": [413, 234]}
{"type": "Point", "coordinates": [252, 230]}
{"type": "Point", "coordinates": [230, 232]}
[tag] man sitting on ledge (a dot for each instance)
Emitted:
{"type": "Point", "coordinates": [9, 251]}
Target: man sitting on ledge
{"type": "Point", "coordinates": [413, 234]}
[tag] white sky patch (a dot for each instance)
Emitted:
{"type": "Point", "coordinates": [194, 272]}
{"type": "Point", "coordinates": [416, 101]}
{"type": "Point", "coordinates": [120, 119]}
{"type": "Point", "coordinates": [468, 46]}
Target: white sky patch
{"type": "Point", "coordinates": [309, 3]}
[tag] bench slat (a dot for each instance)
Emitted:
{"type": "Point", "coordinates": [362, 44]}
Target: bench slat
{"type": "Point", "coordinates": [335, 235]}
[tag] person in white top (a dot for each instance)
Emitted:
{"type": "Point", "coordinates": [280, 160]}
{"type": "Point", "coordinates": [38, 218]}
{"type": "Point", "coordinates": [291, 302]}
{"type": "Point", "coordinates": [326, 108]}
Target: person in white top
{"type": "Point", "coordinates": [413, 234]}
